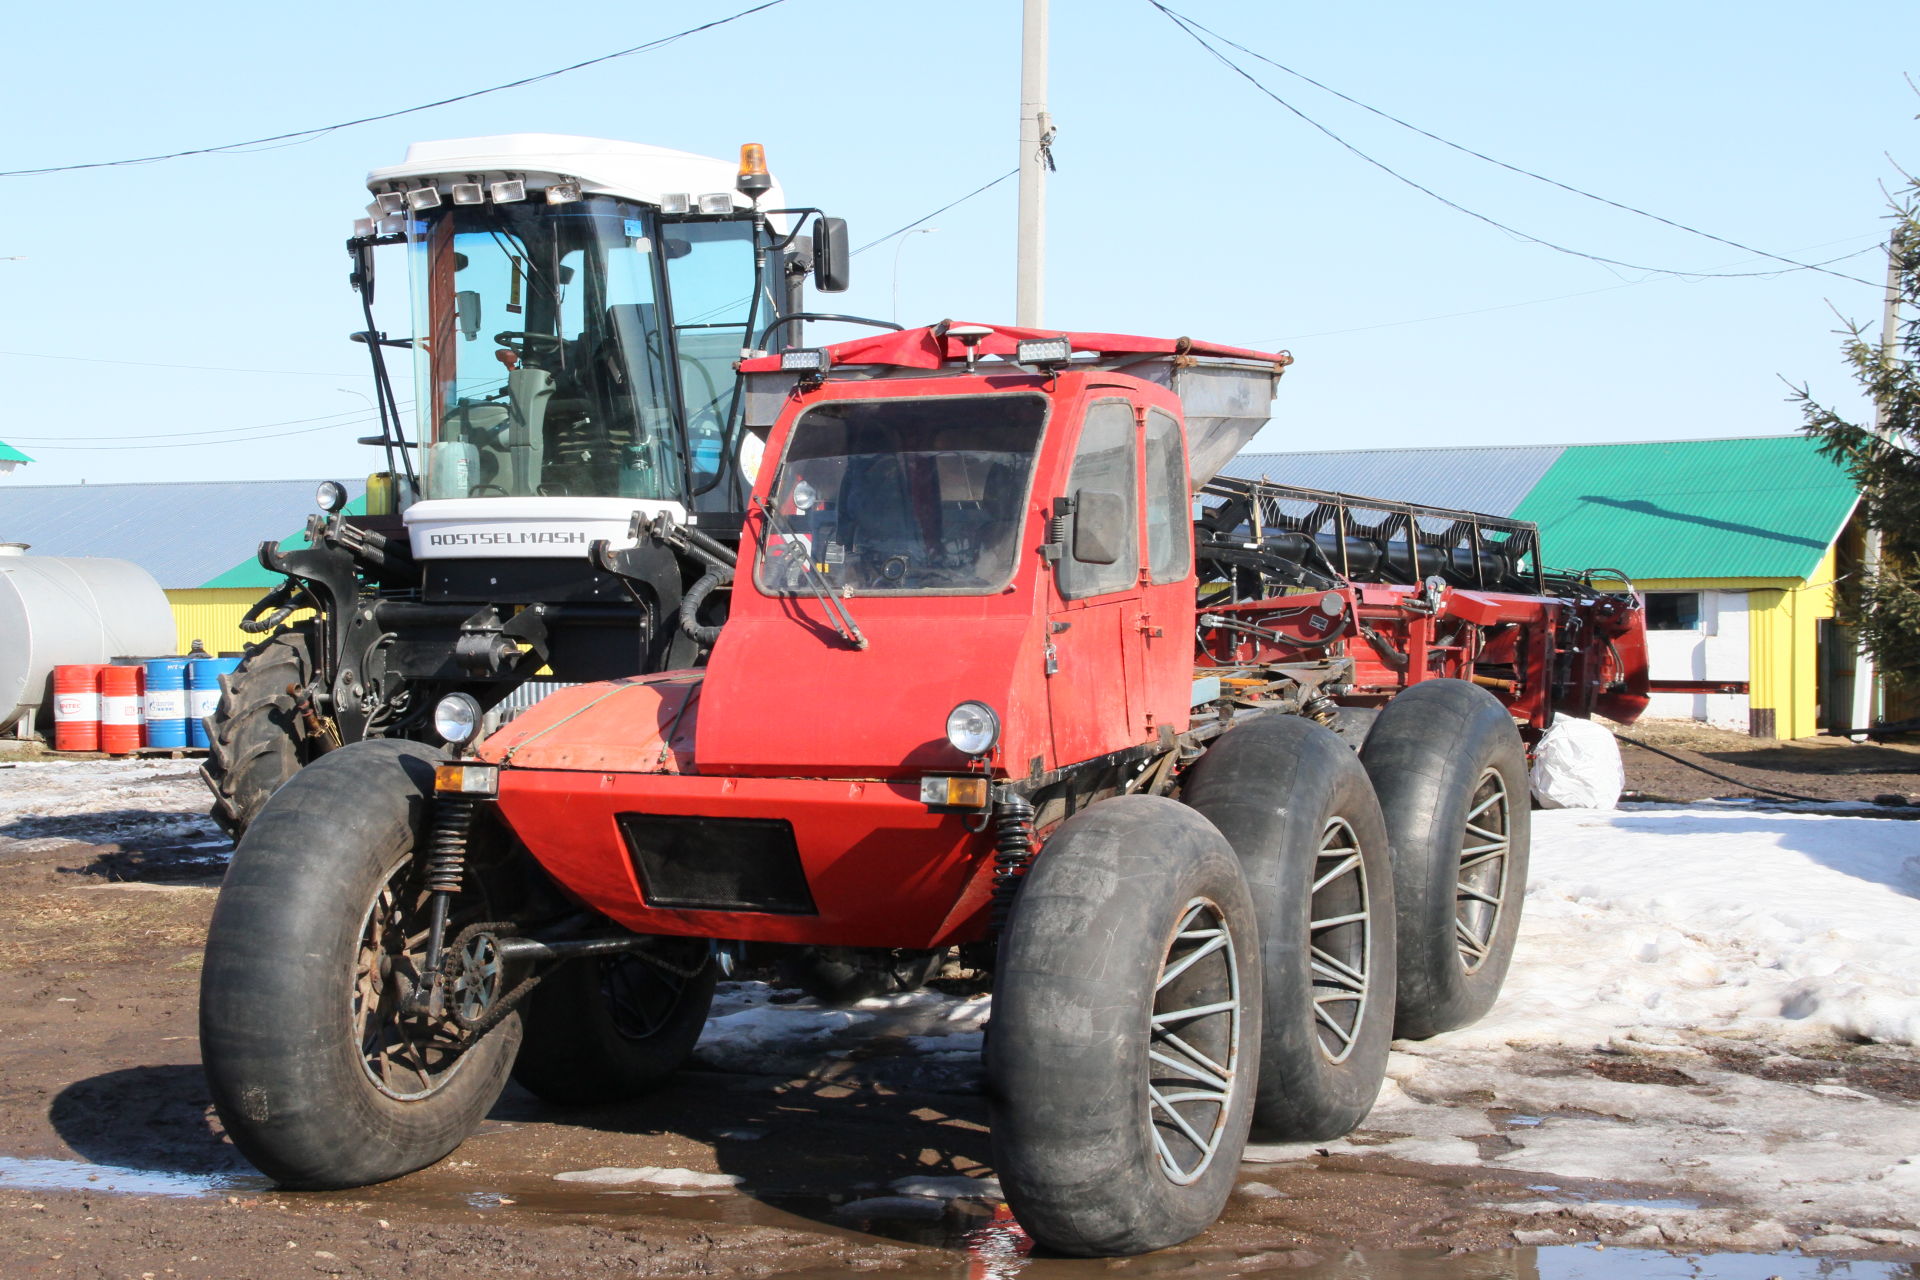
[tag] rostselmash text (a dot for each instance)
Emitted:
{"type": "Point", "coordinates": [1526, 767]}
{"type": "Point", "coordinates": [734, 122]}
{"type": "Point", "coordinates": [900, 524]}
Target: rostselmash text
{"type": "Point", "coordinates": [521, 538]}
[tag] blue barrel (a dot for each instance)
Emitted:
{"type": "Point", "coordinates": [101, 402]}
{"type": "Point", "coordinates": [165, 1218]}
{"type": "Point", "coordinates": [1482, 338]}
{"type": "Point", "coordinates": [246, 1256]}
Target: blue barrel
{"type": "Point", "coordinates": [164, 706]}
{"type": "Point", "coordinates": [203, 694]}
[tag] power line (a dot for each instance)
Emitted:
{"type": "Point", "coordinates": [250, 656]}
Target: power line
{"type": "Point", "coordinates": [1504, 306]}
{"type": "Point", "coordinates": [936, 213]}
{"type": "Point", "coordinates": [1397, 176]}
{"type": "Point", "coordinates": [309, 134]}
{"type": "Point", "coordinates": [358, 415]}
{"type": "Point", "coordinates": [1512, 168]}
{"type": "Point", "coordinates": [201, 444]}
{"type": "Point", "coordinates": [204, 368]}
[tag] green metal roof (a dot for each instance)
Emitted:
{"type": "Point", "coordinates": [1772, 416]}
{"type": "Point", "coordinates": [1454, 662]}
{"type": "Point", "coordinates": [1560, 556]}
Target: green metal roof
{"type": "Point", "coordinates": [10, 454]}
{"type": "Point", "coordinates": [1752, 507]}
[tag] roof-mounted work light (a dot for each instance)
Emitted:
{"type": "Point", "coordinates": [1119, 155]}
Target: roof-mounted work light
{"type": "Point", "coordinates": [511, 191]}
{"type": "Point", "coordinates": [421, 199]}
{"type": "Point", "coordinates": [717, 202]}
{"type": "Point", "coordinates": [1043, 351]}
{"type": "Point", "coordinates": [676, 202]}
{"type": "Point", "coordinates": [392, 202]}
{"type": "Point", "coordinates": [754, 180]}
{"type": "Point", "coordinates": [469, 193]}
{"type": "Point", "coordinates": [565, 191]}
{"type": "Point", "coordinates": [970, 336]}
{"type": "Point", "coordinates": [804, 360]}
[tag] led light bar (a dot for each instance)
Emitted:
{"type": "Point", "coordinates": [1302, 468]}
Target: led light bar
{"type": "Point", "coordinates": [804, 360]}
{"type": "Point", "coordinates": [1043, 351]}
{"type": "Point", "coordinates": [511, 191]}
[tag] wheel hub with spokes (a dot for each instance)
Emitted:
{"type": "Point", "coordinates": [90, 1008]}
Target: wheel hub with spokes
{"type": "Point", "coordinates": [1193, 1046]}
{"type": "Point", "coordinates": [1338, 943]}
{"type": "Point", "coordinates": [407, 1053]}
{"type": "Point", "coordinates": [1481, 884]}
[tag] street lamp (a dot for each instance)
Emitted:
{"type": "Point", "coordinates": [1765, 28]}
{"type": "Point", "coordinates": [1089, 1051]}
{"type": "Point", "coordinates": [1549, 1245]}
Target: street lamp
{"type": "Point", "coordinates": [917, 231]}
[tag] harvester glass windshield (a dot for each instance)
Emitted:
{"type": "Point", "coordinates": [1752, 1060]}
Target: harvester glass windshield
{"type": "Point", "coordinates": [547, 358]}
{"type": "Point", "coordinates": [889, 496]}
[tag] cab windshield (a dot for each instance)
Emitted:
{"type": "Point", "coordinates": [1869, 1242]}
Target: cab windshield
{"type": "Point", "coordinates": [894, 496]}
{"type": "Point", "coordinates": [547, 363]}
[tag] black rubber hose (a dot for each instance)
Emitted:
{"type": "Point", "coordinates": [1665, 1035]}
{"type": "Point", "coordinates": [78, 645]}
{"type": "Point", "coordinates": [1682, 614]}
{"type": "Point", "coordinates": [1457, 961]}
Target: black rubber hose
{"type": "Point", "coordinates": [696, 596]}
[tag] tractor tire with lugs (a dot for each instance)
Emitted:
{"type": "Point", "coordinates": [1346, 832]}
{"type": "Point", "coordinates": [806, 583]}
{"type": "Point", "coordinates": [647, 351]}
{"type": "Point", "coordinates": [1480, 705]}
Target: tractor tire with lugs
{"type": "Point", "coordinates": [322, 1074]}
{"type": "Point", "coordinates": [255, 737]}
{"type": "Point", "coordinates": [1297, 807]}
{"type": "Point", "coordinates": [1124, 1049]}
{"type": "Point", "coordinates": [1451, 774]}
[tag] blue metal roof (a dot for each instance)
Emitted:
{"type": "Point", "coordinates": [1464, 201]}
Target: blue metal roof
{"type": "Point", "coordinates": [1489, 479]}
{"type": "Point", "coordinates": [183, 534]}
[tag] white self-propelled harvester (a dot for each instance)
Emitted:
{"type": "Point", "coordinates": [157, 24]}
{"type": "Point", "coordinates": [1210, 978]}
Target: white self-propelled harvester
{"type": "Point", "coordinates": [570, 499]}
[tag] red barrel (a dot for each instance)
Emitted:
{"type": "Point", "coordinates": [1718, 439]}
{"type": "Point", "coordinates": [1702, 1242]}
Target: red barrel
{"type": "Point", "coordinates": [76, 706]}
{"type": "Point", "coordinates": [120, 690]}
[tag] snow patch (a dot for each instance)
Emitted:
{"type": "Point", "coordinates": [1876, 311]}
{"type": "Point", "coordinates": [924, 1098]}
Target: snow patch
{"type": "Point", "coordinates": [652, 1175]}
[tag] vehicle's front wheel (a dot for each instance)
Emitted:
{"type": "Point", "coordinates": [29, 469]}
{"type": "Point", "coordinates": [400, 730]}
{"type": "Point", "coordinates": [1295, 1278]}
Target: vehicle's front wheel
{"type": "Point", "coordinates": [1124, 1049]}
{"type": "Point", "coordinates": [322, 1071]}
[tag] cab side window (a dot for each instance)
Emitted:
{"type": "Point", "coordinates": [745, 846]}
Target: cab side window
{"type": "Point", "coordinates": [1169, 505]}
{"type": "Point", "coordinates": [1103, 475]}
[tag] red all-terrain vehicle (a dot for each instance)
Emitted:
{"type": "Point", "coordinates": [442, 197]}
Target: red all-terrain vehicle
{"type": "Point", "coordinates": [1005, 669]}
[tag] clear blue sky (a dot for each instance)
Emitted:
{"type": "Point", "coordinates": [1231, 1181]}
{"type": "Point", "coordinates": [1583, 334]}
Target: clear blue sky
{"type": "Point", "coordinates": [1185, 202]}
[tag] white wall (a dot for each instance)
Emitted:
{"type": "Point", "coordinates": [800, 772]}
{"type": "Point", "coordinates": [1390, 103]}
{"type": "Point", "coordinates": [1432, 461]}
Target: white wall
{"type": "Point", "coordinates": [1717, 650]}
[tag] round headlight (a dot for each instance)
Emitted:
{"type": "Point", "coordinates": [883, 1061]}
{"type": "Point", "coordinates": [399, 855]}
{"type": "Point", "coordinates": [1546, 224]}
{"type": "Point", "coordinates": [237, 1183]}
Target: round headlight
{"type": "Point", "coordinates": [330, 496]}
{"type": "Point", "coordinates": [972, 728]}
{"type": "Point", "coordinates": [456, 718]}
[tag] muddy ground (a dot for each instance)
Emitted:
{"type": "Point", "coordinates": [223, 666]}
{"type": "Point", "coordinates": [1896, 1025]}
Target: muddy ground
{"type": "Point", "coordinates": [1702, 763]}
{"type": "Point", "coordinates": [112, 1165]}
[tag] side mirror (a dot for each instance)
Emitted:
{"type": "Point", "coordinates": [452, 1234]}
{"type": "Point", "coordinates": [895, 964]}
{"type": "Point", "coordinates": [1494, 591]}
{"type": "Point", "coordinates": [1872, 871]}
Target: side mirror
{"type": "Point", "coordinates": [830, 265]}
{"type": "Point", "coordinates": [1100, 526]}
{"type": "Point", "coordinates": [466, 311]}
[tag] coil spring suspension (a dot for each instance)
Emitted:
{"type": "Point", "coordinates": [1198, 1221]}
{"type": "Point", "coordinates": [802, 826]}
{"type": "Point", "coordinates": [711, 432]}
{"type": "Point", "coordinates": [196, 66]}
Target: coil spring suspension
{"type": "Point", "coordinates": [447, 855]}
{"type": "Point", "coordinates": [1013, 842]}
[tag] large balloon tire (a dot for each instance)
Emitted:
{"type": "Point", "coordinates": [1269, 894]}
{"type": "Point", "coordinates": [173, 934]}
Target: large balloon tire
{"type": "Point", "coordinates": [287, 962]}
{"type": "Point", "coordinates": [608, 1028]}
{"type": "Point", "coordinates": [1077, 1058]}
{"type": "Point", "coordinates": [1451, 773]}
{"type": "Point", "coordinates": [1296, 805]}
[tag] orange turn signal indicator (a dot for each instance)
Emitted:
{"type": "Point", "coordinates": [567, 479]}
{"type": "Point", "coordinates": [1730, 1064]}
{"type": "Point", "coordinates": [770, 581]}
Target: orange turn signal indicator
{"type": "Point", "coordinates": [467, 779]}
{"type": "Point", "coordinates": [955, 793]}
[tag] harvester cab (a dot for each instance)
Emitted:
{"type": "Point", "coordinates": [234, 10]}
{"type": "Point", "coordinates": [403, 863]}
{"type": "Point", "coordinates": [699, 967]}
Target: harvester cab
{"type": "Point", "coordinates": [578, 308]}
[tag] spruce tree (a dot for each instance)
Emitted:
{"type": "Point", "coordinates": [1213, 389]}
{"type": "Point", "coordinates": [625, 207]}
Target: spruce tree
{"type": "Point", "coordinates": [1884, 601]}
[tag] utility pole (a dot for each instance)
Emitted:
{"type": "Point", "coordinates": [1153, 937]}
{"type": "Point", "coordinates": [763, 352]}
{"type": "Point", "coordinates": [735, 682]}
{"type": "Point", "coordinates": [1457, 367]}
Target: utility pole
{"type": "Point", "coordinates": [1036, 132]}
{"type": "Point", "coordinates": [1866, 690]}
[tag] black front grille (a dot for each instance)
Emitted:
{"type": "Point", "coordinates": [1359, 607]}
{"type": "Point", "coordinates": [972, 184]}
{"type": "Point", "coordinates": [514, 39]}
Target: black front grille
{"type": "Point", "coordinates": [717, 864]}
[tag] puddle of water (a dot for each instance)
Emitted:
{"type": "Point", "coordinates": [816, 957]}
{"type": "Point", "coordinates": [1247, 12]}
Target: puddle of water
{"type": "Point", "coordinates": [78, 1175]}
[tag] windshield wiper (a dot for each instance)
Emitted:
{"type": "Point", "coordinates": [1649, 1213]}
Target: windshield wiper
{"type": "Point", "coordinates": [822, 589]}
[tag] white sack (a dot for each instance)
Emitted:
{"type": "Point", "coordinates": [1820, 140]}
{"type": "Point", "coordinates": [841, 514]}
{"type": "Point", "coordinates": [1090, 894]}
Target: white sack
{"type": "Point", "coordinates": [1577, 766]}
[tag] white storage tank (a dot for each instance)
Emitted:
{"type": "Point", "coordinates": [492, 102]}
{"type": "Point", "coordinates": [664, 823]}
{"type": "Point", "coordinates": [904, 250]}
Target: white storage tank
{"type": "Point", "coordinates": [55, 610]}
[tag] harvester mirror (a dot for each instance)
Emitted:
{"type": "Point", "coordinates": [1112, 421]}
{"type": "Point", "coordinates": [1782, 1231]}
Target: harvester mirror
{"type": "Point", "coordinates": [1100, 525]}
{"type": "Point", "coordinates": [466, 309]}
{"type": "Point", "coordinates": [831, 270]}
